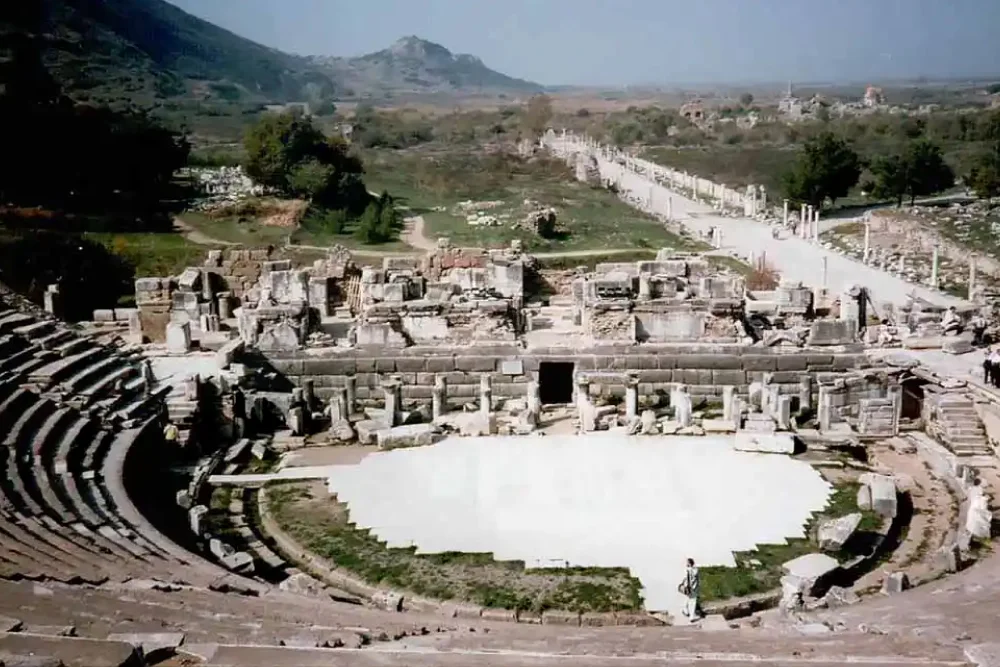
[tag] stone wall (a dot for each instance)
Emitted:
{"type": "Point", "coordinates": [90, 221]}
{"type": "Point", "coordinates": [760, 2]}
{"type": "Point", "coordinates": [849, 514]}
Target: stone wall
{"type": "Point", "coordinates": [706, 369]}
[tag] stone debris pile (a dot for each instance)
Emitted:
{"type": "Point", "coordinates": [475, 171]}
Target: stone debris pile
{"type": "Point", "coordinates": [223, 186]}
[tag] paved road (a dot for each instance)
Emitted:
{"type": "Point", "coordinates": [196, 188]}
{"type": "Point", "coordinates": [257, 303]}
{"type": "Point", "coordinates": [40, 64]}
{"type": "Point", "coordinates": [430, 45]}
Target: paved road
{"type": "Point", "coordinates": [797, 260]}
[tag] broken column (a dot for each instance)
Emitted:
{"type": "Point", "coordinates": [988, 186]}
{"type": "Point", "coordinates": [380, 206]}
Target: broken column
{"type": "Point", "coordinates": [728, 393]}
{"type": "Point", "coordinates": [681, 401]}
{"type": "Point", "coordinates": [824, 410]}
{"type": "Point", "coordinates": [670, 208]}
{"type": "Point", "coordinates": [392, 390]}
{"type": "Point", "coordinates": [934, 269]}
{"type": "Point", "coordinates": [645, 289]}
{"type": "Point", "coordinates": [631, 397]}
{"type": "Point", "coordinates": [533, 407]}
{"type": "Point", "coordinates": [52, 300]}
{"type": "Point", "coordinates": [783, 412]}
{"type": "Point", "coordinates": [439, 397]}
{"type": "Point", "coordinates": [868, 241]}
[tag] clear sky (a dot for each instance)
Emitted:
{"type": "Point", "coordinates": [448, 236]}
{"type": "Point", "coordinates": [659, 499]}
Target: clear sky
{"type": "Point", "coordinates": [605, 42]}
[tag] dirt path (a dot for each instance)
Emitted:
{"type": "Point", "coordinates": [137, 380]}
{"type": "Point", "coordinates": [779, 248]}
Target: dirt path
{"type": "Point", "coordinates": [413, 234]}
{"type": "Point", "coordinates": [195, 236]}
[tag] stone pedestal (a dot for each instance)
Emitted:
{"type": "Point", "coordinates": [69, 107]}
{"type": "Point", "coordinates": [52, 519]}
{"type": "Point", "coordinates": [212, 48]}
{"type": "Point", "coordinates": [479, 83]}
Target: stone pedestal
{"type": "Point", "coordinates": [783, 412]}
{"type": "Point", "coordinates": [728, 394]}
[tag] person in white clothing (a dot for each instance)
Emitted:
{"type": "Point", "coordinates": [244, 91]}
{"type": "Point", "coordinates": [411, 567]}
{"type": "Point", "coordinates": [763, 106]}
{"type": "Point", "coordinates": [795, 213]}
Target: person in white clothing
{"type": "Point", "coordinates": [689, 588]}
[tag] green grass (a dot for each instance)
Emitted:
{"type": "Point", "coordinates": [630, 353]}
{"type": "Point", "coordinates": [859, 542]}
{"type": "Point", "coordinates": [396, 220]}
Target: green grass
{"type": "Point", "coordinates": [153, 254]}
{"type": "Point", "coordinates": [729, 264]}
{"type": "Point", "coordinates": [323, 527]}
{"type": "Point", "coordinates": [721, 583]}
{"type": "Point", "coordinates": [587, 218]}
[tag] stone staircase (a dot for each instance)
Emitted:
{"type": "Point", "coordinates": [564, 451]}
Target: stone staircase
{"type": "Point", "coordinates": [557, 316]}
{"type": "Point", "coordinates": [960, 426]}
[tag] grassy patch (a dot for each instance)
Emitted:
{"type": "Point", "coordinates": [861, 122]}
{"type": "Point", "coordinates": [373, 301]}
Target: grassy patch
{"type": "Point", "coordinates": [587, 218]}
{"type": "Point", "coordinates": [731, 264]}
{"type": "Point", "coordinates": [759, 571]}
{"type": "Point", "coordinates": [153, 254]}
{"type": "Point", "coordinates": [323, 526]}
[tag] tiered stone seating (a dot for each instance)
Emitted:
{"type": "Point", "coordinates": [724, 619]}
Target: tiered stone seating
{"type": "Point", "coordinates": [65, 515]}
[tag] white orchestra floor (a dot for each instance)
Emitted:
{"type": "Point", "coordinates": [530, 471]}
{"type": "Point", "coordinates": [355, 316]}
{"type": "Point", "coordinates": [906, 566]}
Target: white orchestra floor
{"type": "Point", "coordinates": [646, 503]}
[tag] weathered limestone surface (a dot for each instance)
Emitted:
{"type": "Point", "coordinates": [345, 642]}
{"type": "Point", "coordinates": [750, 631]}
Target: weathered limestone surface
{"type": "Point", "coordinates": [705, 369]}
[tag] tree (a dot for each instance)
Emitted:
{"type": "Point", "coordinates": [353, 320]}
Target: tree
{"type": "Point", "coordinates": [388, 219]}
{"type": "Point", "coordinates": [368, 225]}
{"type": "Point", "coordinates": [537, 115]}
{"type": "Point", "coordinates": [746, 99]}
{"type": "Point", "coordinates": [927, 172]}
{"type": "Point", "coordinates": [290, 155]}
{"type": "Point", "coordinates": [918, 171]}
{"type": "Point", "coordinates": [984, 176]}
{"type": "Point", "coordinates": [826, 168]}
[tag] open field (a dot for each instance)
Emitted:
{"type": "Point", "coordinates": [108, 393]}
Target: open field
{"type": "Point", "coordinates": [587, 218]}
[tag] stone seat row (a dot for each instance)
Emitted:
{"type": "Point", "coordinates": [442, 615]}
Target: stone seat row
{"type": "Point", "coordinates": [56, 510]}
{"type": "Point", "coordinates": [59, 395]}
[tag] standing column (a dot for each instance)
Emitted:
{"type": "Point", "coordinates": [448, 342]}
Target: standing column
{"type": "Point", "coordinates": [934, 269]}
{"type": "Point", "coordinates": [588, 418]}
{"type": "Point", "coordinates": [785, 217]}
{"type": "Point", "coordinates": [645, 289]}
{"type": "Point", "coordinates": [824, 270]}
{"type": "Point", "coordinates": [902, 264]}
{"type": "Point", "coordinates": [439, 397]}
{"type": "Point", "coordinates": [631, 397]}
{"type": "Point", "coordinates": [815, 226]}
{"type": "Point", "coordinates": [670, 209]}
{"type": "Point", "coordinates": [351, 384]}
{"type": "Point", "coordinates": [972, 274]}
{"type": "Point", "coordinates": [485, 395]}
{"type": "Point", "coordinates": [803, 227]}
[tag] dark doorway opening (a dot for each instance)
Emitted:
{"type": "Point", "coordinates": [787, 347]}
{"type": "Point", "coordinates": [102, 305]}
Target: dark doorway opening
{"type": "Point", "coordinates": [555, 382]}
{"type": "Point", "coordinates": [913, 398]}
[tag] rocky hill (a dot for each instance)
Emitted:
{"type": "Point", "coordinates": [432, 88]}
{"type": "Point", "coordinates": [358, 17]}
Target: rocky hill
{"type": "Point", "coordinates": [141, 49]}
{"type": "Point", "coordinates": [145, 50]}
{"type": "Point", "coordinates": [415, 65]}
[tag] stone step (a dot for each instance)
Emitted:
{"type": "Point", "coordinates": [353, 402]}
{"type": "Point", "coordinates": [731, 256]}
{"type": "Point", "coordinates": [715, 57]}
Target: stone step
{"type": "Point", "coordinates": [74, 346]}
{"type": "Point", "coordinates": [11, 321]}
{"type": "Point", "coordinates": [35, 330]}
{"type": "Point", "coordinates": [91, 374]}
{"type": "Point", "coordinates": [29, 422]}
{"type": "Point", "coordinates": [71, 651]}
{"type": "Point", "coordinates": [56, 338]}
{"type": "Point", "coordinates": [65, 367]}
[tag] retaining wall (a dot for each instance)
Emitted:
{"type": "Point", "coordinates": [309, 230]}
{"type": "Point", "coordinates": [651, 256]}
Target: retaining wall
{"type": "Point", "coordinates": [706, 369]}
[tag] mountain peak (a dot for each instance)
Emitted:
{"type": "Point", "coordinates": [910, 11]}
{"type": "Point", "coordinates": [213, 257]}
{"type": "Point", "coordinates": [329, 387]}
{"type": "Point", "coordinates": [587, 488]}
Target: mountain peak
{"type": "Point", "coordinates": [417, 48]}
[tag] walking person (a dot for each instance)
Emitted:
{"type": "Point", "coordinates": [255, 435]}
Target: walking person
{"type": "Point", "coordinates": [995, 368]}
{"type": "Point", "coordinates": [689, 588]}
{"type": "Point", "coordinates": [987, 368]}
